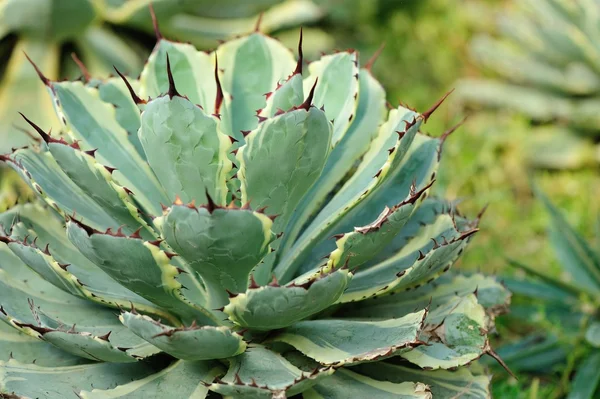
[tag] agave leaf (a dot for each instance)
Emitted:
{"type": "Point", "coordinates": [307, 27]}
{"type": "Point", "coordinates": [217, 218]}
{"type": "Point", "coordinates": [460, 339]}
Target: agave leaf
{"type": "Point", "coordinates": [373, 169]}
{"type": "Point", "coordinates": [127, 259]}
{"type": "Point", "coordinates": [42, 311]}
{"type": "Point", "coordinates": [274, 306]}
{"type": "Point", "coordinates": [579, 260]}
{"type": "Point", "coordinates": [370, 113]}
{"type": "Point", "coordinates": [92, 282]}
{"type": "Point", "coordinates": [540, 290]}
{"type": "Point", "coordinates": [532, 353]}
{"type": "Point", "coordinates": [337, 89]}
{"type": "Point", "coordinates": [193, 71]}
{"type": "Point", "coordinates": [253, 65]}
{"type": "Point", "coordinates": [490, 294]}
{"type": "Point", "coordinates": [346, 384]}
{"type": "Point", "coordinates": [259, 373]}
{"type": "Point", "coordinates": [97, 182]}
{"type": "Point", "coordinates": [185, 149]}
{"type": "Point", "coordinates": [93, 122]}
{"type": "Point", "coordinates": [21, 91]}
{"type": "Point", "coordinates": [342, 342]}
{"type": "Point", "coordinates": [288, 95]}
{"type": "Point", "coordinates": [456, 335]}
{"type": "Point", "coordinates": [188, 343]}
{"type": "Point", "coordinates": [184, 377]}
{"type": "Point", "coordinates": [222, 245]}
{"type": "Point", "coordinates": [586, 378]}
{"type": "Point", "coordinates": [46, 177]}
{"type": "Point", "coordinates": [422, 258]}
{"type": "Point", "coordinates": [471, 382]}
{"type": "Point", "coordinates": [114, 91]}
{"type": "Point", "coordinates": [26, 349]}
{"type": "Point", "coordinates": [592, 334]}
{"type": "Point", "coordinates": [33, 381]}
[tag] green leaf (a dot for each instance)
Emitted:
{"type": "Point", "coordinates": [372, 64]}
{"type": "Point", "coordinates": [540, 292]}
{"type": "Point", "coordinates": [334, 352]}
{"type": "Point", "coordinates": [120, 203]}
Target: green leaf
{"type": "Point", "coordinates": [44, 175]}
{"type": "Point", "coordinates": [185, 149]}
{"type": "Point", "coordinates": [466, 382]}
{"type": "Point", "coordinates": [97, 182]}
{"type": "Point", "coordinates": [93, 121]}
{"type": "Point", "coordinates": [183, 378]}
{"type": "Point", "coordinates": [192, 70]}
{"type": "Point", "coordinates": [532, 353]}
{"type": "Point", "coordinates": [369, 115]}
{"type": "Point", "coordinates": [30, 380]}
{"type": "Point", "coordinates": [253, 65]}
{"type": "Point", "coordinates": [273, 306]}
{"type": "Point", "coordinates": [259, 373]}
{"type": "Point", "coordinates": [26, 349]}
{"type": "Point", "coordinates": [337, 89]}
{"type": "Point", "coordinates": [592, 334]}
{"type": "Point", "coordinates": [91, 281]}
{"type": "Point", "coordinates": [572, 250]}
{"type": "Point", "coordinates": [456, 335]}
{"type": "Point", "coordinates": [188, 343]}
{"type": "Point", "coordinates": [287, 96]}
{"type": "Point", "coordinates": [586, 378]}
{"type": "Point", "coordinates": [114, 91]}
{"type": "Point", "coordinates": [222, 245]}
{"type": "Point", "coordinates": [339, 342]}
{"type": "Point", "coordinates": [374, 168]}
{"type": "Point", "coordinates": [139, 266]}
{"type": "Point", "coordinates": [347, 384]}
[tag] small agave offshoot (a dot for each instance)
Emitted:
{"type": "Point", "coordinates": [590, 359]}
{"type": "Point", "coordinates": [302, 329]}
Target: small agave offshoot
{"type": "Point", "coordinates": [232, 223]}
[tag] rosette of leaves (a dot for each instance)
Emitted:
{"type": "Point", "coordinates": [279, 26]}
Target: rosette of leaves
{"type": "Point", "coordinates": [104, 33]}
{"type": "Point", "coordinates": [232, 222]}
{"type": "Point", "coordinates": [566, 309]}
{"type": "Point", "coordinates": [546, 63]}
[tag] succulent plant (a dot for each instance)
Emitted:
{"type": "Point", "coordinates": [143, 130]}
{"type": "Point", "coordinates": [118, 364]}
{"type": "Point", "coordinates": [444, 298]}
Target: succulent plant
{"type": "Point", "coordinates": [547, 66]}
{"type": "Point", "coordinates": [564, 309]}
{"type": "Point", "coordinates": [104, 33]}
{"type": "Point", "coordinates": [266, 227]}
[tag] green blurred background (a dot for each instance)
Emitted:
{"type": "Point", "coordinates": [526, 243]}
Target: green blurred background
{"type": "Point", "coordinates": [491, 160]}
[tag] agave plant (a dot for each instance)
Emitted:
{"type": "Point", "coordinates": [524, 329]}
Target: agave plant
{"type": "Point", "coordinates": [266, 227]}
{"type": "Point", "coordinates": [566, 309]}
{"type": "Point", "coordinates": [104, 33]}
{"type": "Point", "coordinates": [547, 63]}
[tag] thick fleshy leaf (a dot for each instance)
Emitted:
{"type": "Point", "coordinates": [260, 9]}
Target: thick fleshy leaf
{"type": "Point", "coordinates": [470, 382]}
{"type": "Point", "coordinates": [188, 343]}
{"type": "Point", "coordinates": [456, 335]}
{"type": "Point", "coordinates": [490, 294]}
{"type": "Point", "coordinates": [374, 168]}
{"type": "Point", "coordinates": [338, 341]}
{"type": "Point", "coordinates": [93, 122]}
{"type": "Point", "coordinates": [183, 378]}
{"type": "Point", "coordinates": [192, 70]}
{"type": "Point", "coordinates": [97, 182]}
{"type": "Point", "coordinates": [46, 177]}
{"type": "Point", "coordinates": [288, 95]}
{"type": "Point", "coordinates": [369, 116]}
{"type": "Point", "coordinates": [260, 373]}
{"type": "Point", "coordinates": [223, 245]}
{"type": "Point", "coordinates": [532, 353]}
{"type": "Point", "coordinates": [32, 381]}
{"type": "Point", "coordinates": [139, 266]}
{"type": "Point", "coordinates": [274, 306]}
{"type": "Point", "coordinates": [337, 89]}
{"type": "Point", "coordinates": [347, 384]}
{"type": "Point", "coordinates": [253, 65]}
{"type": "Point", "coordinates": [43, 226]}
{"type": "Point", "coordinates": [26, 349]}
{"type": "Point", "coordinates": [185, 149]}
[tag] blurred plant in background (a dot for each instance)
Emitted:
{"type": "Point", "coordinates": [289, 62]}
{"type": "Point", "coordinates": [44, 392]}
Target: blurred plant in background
{"type": "Point", "coordinates": [558, 315]}
{"type": "Point", "coordinates": [544, 62]}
